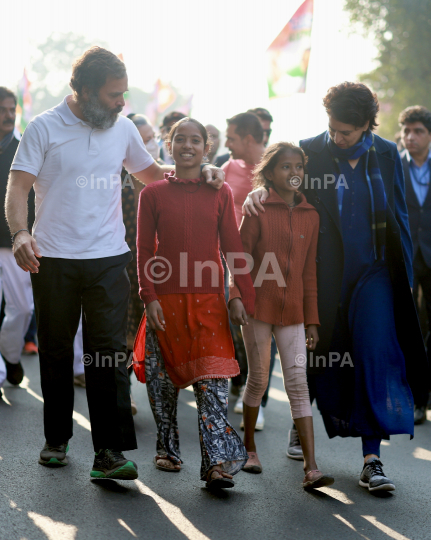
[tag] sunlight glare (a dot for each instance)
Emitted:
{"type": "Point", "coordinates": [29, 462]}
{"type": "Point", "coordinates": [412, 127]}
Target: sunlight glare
{"type": "Point", "coordinates": [422, 453]}
{"type": "Point", "coordinates": [337, 494]}
{"type": "Point", "coordinates": [173, 513]}
{"type": "Point", "coordinates": [384, 528]}
{"type": "Point", "coordinates": [79, 418]}
{"type": "Point", "coordinates": [123, 524]}
{"type": "Point", "coordinates": [54, 530]}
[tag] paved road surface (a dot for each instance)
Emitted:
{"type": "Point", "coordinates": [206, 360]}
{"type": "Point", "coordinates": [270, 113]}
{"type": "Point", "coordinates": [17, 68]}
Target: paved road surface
{"type": "Point", "coordinates": [37, 503]}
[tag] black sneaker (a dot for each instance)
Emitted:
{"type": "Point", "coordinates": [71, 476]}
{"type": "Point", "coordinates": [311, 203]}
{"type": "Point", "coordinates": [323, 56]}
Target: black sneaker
{"type": "Point", "coordinates": [54, 455]}
{"type": "Point", "coordinates": [14, 372]}
{"type": "Point", "coordinates": [112, 464]}
{"type": "Point", "coordinates": [373, 477]}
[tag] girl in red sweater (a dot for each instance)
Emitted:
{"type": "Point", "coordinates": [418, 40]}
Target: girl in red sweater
{"type": "Point", "coordinates": [186, 222]}
{"type": "Point", "coordinates": [283, 244]}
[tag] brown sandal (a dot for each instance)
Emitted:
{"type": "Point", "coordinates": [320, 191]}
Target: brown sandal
{"type": "Point", "coordinates": [162, 468]}
{"type": "Point", "coordinates": [220, 482]}
{"type": "Point", "coordinates": [316, 479]}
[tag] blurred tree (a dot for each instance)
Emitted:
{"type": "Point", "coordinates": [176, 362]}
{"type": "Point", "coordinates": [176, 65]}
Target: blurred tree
{"type": "Point", "coordinates": [51, 68]}
{"type": "Point", "coordinates": [402, 30]}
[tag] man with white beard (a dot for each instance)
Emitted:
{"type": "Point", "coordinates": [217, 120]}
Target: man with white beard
{"type": "Point", "coordinates": [73, 155]}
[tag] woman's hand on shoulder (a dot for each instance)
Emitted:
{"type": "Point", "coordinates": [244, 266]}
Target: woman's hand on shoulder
{"type": "Point", "coordinates": [237, 312]}
{"type": "Point", "coordinates": [254, 200]}
{"type": "Point", "coordinates": [312, 337]}
{"type": "Point", "coordinates": [155, 317]}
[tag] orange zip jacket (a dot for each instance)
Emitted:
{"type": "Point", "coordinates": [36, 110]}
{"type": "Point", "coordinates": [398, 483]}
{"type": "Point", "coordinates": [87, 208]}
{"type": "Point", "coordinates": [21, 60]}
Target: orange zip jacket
{"type": "Point", "coordinates": [283, 244]}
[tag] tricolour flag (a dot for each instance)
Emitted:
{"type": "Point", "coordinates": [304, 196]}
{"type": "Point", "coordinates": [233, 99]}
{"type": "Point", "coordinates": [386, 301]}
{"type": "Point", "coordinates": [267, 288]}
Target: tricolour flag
{"type": "Point", "coordinates": [24, 103]}
{"type": "Point", "coordinates": [162, 97]}
{"type": "Point", "coordinates": [289, 53]}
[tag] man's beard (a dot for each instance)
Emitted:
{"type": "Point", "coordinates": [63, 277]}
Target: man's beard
{"type": "Point", "coordinates": [98, 114]}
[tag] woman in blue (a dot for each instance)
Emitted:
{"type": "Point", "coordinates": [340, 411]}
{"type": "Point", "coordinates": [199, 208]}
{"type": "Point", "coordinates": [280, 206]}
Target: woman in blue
{"type": "Point", "coordinates": [374, 363]}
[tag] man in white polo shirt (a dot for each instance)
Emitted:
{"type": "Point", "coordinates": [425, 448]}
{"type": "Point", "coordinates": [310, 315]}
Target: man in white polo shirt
{"type": "Point", "coordinates": [73, 154]}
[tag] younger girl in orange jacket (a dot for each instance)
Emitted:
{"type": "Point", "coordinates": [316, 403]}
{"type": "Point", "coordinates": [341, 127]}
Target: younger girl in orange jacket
{"type": "Point", "coordinates": [282, 242]}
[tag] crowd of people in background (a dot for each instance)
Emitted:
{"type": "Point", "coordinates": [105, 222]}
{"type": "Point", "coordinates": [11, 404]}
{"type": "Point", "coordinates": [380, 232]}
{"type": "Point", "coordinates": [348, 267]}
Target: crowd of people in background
{"type": "Point", "coordinates": [339, 233]}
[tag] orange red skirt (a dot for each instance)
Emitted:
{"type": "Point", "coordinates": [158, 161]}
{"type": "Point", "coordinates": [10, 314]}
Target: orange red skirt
{"type": "Point", "coordinates": [197, 342]}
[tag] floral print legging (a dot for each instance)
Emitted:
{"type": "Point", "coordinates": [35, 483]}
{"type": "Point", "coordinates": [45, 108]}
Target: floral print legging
{"type": "Point", "coordinates": [220, 443]}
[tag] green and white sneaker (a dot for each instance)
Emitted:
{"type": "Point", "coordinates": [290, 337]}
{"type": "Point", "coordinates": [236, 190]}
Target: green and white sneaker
{"type": "Point", "coordinates": [54, 455]}
{"type": "Point", "coordinates": [113, 464]}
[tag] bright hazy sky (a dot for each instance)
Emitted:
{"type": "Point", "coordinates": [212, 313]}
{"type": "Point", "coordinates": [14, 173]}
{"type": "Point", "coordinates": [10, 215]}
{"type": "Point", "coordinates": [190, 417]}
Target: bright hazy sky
{"type": "Point", "coordinates": [213, 50]}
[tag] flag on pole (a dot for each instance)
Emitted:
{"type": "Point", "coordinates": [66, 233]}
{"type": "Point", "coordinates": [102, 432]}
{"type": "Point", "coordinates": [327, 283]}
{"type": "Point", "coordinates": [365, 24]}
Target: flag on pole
{"type": "Point", "coordinates": [24, 103]}
{"type": "Point", "coordinates": [289, 53]}
{"type": "Point", "coordinates": [127, 109]}
{"type": "Point", "coordinates": [162, 97]}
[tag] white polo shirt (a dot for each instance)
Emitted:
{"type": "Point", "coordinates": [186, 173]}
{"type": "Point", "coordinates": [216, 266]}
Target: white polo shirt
{"type": "Point", "coordinates": [78, 182]}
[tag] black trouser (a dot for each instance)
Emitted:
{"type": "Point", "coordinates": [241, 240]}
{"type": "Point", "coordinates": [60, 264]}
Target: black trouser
{"type": "Point", "coordinates": [101, 288]}
{"type": "Point", "coordinates": [422, 277]}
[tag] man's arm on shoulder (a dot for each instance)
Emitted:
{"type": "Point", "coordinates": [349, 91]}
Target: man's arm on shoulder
{"type": "Point", "coordinates": [24, 247]}
{"type": "Point", "coordinates": [152, 173]}
{"type": "Point", "coordinates": [212, 175]}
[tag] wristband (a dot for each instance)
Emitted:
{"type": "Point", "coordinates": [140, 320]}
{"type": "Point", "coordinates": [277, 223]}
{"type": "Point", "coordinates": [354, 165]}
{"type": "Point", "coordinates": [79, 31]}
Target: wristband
{"type": "Point", "coordinates": [14, 234]}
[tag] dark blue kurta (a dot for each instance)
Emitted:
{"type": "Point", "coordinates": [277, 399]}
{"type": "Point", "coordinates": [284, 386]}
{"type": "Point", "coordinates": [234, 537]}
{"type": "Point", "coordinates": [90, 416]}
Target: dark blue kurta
{"type": "Point", "coordinates": [371, 397]}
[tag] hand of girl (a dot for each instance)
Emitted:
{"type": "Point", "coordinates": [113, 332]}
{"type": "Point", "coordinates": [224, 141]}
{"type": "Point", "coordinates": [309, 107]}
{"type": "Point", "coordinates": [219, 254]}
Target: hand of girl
{"type": "Point", "coordinates": [254, 200]}
{"type": "Point", "coordinates": [155, 317]}
{"type": "Point", "coordinates": [312, 337]}
{"type": "Point", "coordinates": [237, 312]}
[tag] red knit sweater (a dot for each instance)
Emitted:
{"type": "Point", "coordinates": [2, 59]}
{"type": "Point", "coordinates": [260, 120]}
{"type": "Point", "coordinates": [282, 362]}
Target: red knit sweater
{"type": "Point", "coordinates": [192, 222]}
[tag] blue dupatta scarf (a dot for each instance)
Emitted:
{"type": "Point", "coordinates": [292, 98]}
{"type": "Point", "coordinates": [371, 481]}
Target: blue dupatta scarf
{"type": "Point", "coordinates": [340, 157]}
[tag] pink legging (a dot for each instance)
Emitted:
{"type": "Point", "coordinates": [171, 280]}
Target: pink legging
{"type": "Point", "coordinates": [291, 347]}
